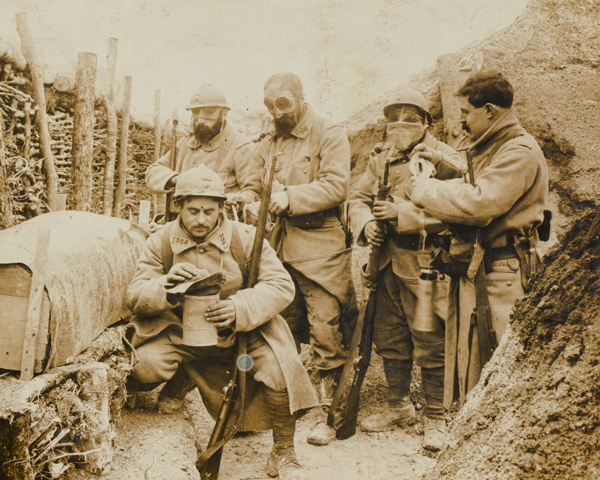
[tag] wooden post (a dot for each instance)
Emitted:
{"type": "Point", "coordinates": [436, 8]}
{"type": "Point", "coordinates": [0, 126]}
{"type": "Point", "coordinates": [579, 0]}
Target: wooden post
{"type": "Point", "coordinates": [157, 142]}
{"type": "Point", "coordinates": [120, 192]}
{"type": "Point", "coordinates": [34, 311]}
{"type": "Point", "coordinates": [144, 219]}
{"type": "Point", "coordinates": [36, 70]}
{"type": "Point", "coordinates": [111, 154]}
{"type": "Point", "coordinates": [6, 213]}
{"type": "Point", "coordinates": [61, 202]}
{"type": "Point", "coordinates": [27, 141]}
{"type": "Point", "coordinates": [83, 132]}
{"type": "Point", "coordinates": [449, 84]}
{"type": "Point", "coordinates": [111, 66]}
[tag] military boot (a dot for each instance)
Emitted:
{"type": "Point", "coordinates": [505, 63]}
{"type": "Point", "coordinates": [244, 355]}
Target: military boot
{"type": "Point", "coordinates": [434, 423]}
{"type": "Point", "coordinates": [173, 393]}
{"type": "Point", "coordinates": [323, 434]}
{"type": "Point", "coordinates": [399, 409]}
{"type": "Point", "coordinates": [132, 387]}
{"type": "Point", "coordinates": [282, 461]}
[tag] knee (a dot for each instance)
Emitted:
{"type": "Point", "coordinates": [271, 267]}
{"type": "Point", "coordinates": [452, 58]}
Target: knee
{"type": "Point", "coordinates": [152, 366]}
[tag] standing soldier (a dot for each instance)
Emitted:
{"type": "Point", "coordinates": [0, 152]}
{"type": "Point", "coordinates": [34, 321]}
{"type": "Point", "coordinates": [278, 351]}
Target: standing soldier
{"type": "Point", "coordinates": [203, 238]}
{"type": "Point", "coordinates": [406, 235]}
{"type": "Point", "coordinates": [214, 143]}
{"type": "Point", "coordinates": [313, 168]}
{"type": "Point", "coordinates": [496, 211]}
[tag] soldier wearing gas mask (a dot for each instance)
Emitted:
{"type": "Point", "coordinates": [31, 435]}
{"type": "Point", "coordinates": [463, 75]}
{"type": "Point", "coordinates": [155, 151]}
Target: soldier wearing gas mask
{"type": "Point", "coordinates": [407, 236]}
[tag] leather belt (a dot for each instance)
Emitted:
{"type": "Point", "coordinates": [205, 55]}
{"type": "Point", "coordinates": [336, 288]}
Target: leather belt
{"type": "Point", "coordinates": [507, 251]}
{"type": "Point", "coordinates": [411, 241]}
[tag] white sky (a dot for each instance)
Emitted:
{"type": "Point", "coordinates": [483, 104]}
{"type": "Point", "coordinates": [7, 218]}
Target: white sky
{"type": "Point", "coordinates": [347, 52]}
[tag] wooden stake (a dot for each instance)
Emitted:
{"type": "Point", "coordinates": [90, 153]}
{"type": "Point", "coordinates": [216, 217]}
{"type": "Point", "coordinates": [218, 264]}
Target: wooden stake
{"type": "Point", "coordinates": [111, 154]}
{"type": "Point", "coordinates": [27, 141]}
{"type": "Point", "coordinates": [156, 125]}
{"type": "Point", "coordinates": [121, 186]}
{"type": "Point", "coordinates": [61, 202]}
{"type": "Point", "coordinates": [35, 68]}
{"type": "Point", "coordinates": [83, 132]}
{"type": "Point", "coordinates": [6, 213]}
{"type": "Point", "coordinates": [449, 84]}
{"type": "Point", "coordinates": [144, 219]}
{"type": "Point", "coordinates": [34, 310]}
{"type": "Point", "coordinates": [111, 66]}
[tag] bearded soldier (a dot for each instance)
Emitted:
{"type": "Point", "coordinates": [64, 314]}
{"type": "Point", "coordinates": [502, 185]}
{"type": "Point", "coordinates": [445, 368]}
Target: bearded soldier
{"type": "Point", "coordinates": [313, 172]}
{"type": "Point", "coordinates": [214, 143]}
{"type": "Point", "coordinates": [405, 234]}
{"type": "Point", "coordinates": [495, 211]}
{"type": "Point", "coordinates": [203, 239]}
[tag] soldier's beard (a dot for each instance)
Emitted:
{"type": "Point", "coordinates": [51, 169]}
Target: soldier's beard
{"type": "Point", "coordinates": [285, 124]}
{"type": "Point", "coordinates": [204, 133]}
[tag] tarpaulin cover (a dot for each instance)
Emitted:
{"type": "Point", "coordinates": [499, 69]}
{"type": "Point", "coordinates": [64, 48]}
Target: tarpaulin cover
{"type": "Point", "coordinates": [91, 260]}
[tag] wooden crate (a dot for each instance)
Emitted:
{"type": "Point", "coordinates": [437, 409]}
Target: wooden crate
{"type": "Point", "coordinates": [15, 286]}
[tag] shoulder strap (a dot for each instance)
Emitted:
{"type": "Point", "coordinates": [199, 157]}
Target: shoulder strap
{"type": "Point", "coordinates": [237, 250]}
{"type": "Point", "coordinates": [314, 142]}
{"type": "Point", "coordinates": [165, 248]}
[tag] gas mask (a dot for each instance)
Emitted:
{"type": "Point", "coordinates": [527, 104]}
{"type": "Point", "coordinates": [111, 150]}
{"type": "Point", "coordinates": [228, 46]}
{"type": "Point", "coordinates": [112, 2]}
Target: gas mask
{"type": "Point", "coordinates": [405, 135]}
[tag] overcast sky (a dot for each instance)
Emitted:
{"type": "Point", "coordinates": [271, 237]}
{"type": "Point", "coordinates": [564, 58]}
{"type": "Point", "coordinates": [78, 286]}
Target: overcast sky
{"type": "Point", "coordinates": [347, 52]}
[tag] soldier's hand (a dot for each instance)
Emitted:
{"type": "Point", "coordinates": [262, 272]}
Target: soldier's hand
{"type": "Point", "coordinates": [384, 210]}
{"type": "Point", "coordinates": [279, 203]}
{"type": "Point", "coordinates": [222, 313]}
{"type": "Point", "coordinates": [180, 272]}
{"type": "Point", "coordinates": [171, 182]}
{"type": "Point", "coordinates": [424, 151]}
{"type": "Point", "coordinates": [374, 234]}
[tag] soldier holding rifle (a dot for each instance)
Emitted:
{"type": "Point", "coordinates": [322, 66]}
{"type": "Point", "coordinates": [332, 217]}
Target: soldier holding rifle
{"type": "Point", "coordinates": [404, 237]}
{"type": "Point", "coordinates": [202, 241]}
{"type": "Point", "coordinates": [212, 142]}
{"type": "Point", "coordinates": [310, 234]}
{"type": "Point", "coordinates": [496, 212]}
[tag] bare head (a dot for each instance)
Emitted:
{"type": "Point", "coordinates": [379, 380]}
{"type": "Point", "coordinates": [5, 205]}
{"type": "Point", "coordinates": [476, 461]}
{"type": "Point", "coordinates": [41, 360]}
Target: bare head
{"type": "Point", "coordinates": [483, 99]}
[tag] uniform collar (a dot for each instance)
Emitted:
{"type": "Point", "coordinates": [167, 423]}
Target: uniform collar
{"type": "Point", "coordinates": [220, 237]}
{"type": "Point", "coordinates": [304, 124]}
{"type": "Point", "coordinates": [215, 142]}
{"type": "Point", "coordinates": [496, 130]}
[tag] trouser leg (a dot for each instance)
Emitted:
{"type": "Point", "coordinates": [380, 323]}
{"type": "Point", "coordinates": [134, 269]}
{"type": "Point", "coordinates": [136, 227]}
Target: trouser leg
{"type": "Point", "coordinates": [397, 374]}
{"type": "Point", "coordinates": [323, 313]}
{"type": "Point", "coordinates": [433, 387]}
{"type": "Point", "coordinates": [282, 461]}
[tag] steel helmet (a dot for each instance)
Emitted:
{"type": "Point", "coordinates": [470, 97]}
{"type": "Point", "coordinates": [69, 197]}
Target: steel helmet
{"type": "Point", "coordinates": [199, 181]}
{"type": "Point", "coordinates": [408, 97]}
{"type": "Point", "coordinates": [208, 96]}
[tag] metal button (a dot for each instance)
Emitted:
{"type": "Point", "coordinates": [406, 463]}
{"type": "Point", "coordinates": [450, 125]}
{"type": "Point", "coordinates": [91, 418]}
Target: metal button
{"type": "Point", "coordinates": [306, 170]}
{"type": "Point", "coordinates": [509, 283]}
{"type": "Point", "coordinates": [201, 250]}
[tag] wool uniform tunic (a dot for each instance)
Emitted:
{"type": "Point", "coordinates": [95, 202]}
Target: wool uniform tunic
{"type": "Point", "coordinates": [316, 255]}
{"type": "Point", "coordinates": [394, 335]}
{"type": "Point", "coordinates": [506, 203]}
{"type": "Point", "coordinates": [227, 154]}
{"type": "Point", "coordinates": [156, 330]}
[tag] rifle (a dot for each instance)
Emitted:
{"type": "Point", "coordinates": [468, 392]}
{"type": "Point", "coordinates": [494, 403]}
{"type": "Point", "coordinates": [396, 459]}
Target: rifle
{"type": "Point", "coordinates": [209, 462]}
{"type": "Point", "coordinates": [344, 418]}
{"type": "Point", "coordinates": [169, 216]}
{"type": "Point", "coordinates": [481, 316]}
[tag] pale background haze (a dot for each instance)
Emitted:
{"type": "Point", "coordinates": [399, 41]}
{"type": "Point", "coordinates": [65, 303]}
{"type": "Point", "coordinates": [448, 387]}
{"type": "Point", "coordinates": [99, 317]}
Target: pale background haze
{"type": "Point", "coordinates": [347, 52]}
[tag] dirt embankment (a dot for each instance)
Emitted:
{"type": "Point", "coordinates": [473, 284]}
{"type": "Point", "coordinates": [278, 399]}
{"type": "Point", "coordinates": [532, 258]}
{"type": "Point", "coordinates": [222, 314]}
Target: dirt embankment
{"type": "Point", "coordinates": [536, 412]}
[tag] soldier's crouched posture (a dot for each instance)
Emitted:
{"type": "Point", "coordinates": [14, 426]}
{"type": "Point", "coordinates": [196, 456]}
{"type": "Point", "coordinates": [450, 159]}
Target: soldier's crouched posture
{"type": "Point", "coordinates": [498, 212]}
{"type": "Point", "coordinates": [203, 238]}
{"type": "Point", "coordinates": [313, 171]}
{"type": "Point", "coordinates": [396, 226]}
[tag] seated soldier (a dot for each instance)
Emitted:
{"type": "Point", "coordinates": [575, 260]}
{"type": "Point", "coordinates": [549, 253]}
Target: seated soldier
{"type": "Point", "coordinates": [203, 239]}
